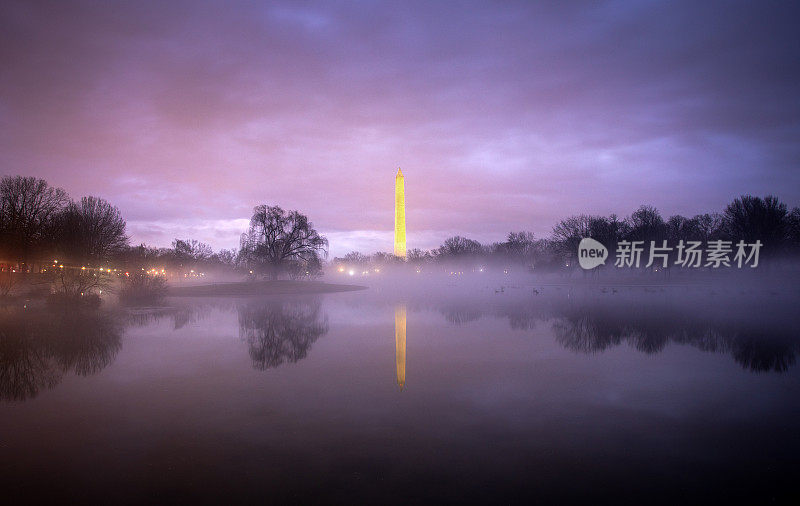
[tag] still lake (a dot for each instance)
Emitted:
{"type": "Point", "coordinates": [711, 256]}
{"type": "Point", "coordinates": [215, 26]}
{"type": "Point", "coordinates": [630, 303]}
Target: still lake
{"type": "Point", "coordinates": [610, 394]}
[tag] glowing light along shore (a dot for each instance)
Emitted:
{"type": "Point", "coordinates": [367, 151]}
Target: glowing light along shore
{"type": "Point", "coordinates": [399, 215]}
{"type": "Point", "coordinates": [400, 343]}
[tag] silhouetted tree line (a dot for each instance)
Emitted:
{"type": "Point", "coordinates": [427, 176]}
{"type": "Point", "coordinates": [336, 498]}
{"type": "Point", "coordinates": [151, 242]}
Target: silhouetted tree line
{"type": "Point", "coordinates": [39, 223]}
{"type": "Point", "coordinates": [70, 245]}
{"type": "Point", "coordinates": [185, 258]}
{"type": "Point", "coordinates": [747, 218]}
{"type": "Point", "coordinates": [277, 243]}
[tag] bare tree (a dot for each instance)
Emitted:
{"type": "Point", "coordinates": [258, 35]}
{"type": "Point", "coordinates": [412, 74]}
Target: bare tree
{"type": "Point", "coordinates": [751, 218]}
{"type": "Point", "coordinates": [191, 250]}
{"type": "Point", "coordinates": [91, 230]}
{"type": "Point", "coordinates": [277, 237]}
{"type": "Point", "coordinates": [225, 257]}
{"type": "Point", "coordinates": [418, 256]}
{"type": "Point", "coordinates": [646, 224]}
{"type": "Point", "coordinates": [27, 208]}
{"type": "Point", "coordinates": [709, 225]}
{"type": "Point", "coordinates": [459, 246]}
{"type": "Point", "coordinates": [355, 258]}
{"type": "Point", "coordinates": [567, 234]}
{"type": "Point", "coordinates": [793, 228]}
{"type": "Point", "coordinates": [518, 245]}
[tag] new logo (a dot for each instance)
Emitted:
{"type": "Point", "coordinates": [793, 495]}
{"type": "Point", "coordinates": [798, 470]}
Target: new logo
{"type": "Point", "coordinates": [591, 253]}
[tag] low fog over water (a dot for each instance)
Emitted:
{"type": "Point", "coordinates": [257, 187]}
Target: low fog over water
{"type": "Point", "coordinates": [452, 384]}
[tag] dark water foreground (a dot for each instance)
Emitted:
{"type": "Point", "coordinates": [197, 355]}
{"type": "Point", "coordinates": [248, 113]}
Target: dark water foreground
{"type": "Point", "coordinates": [611, 395]}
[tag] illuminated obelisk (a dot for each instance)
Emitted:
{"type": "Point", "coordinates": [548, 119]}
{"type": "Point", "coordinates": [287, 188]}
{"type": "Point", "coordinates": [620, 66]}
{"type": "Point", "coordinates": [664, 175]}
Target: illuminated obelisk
{"type": "Point", "coordinates": [400, 343]}
{"type": "Point", "coordinates": [399, 215]}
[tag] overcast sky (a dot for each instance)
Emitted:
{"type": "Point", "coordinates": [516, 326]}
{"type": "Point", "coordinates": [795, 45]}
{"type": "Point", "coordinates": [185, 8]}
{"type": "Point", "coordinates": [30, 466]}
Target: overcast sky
{"type": "Point", "coordinates": [503, 116]}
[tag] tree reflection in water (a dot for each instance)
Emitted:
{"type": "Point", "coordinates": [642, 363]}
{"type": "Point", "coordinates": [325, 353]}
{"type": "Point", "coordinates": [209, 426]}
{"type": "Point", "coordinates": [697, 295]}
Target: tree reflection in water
{"type": "Point", "coordinates": [279, 331]}
{"type": "Point", "coordinates": [38, 346]}
{"type": "Point", "coordinates": [760, 335]}
{"type": "Point", "coordinates": [461, 315]}
{"type": "Point", "coordinates": [760, 344]}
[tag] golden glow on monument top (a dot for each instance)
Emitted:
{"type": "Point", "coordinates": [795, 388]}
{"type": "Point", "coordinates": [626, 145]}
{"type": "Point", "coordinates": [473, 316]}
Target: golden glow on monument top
{"type": "Point", "coordinates": [399, 215]}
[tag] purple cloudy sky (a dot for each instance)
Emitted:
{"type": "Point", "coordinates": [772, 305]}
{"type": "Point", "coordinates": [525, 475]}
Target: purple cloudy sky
{"type": "Point", "coordinates": [502, 115]}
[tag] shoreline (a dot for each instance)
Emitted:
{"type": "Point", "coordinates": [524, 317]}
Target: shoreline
{"type": "Point", "coordinates": [256, 288]}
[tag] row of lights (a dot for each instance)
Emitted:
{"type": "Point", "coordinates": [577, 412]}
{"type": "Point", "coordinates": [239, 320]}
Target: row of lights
{"type": "Point", "coordinates": [352, 272]}
{"type": "Point", "coordinates": [152, 272]}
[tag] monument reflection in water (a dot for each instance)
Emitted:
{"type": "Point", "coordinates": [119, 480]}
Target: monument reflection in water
{"type": "Point", "coordinates": [400, 343]}
{"type": "Point", "coordinates": [39, 346]}
{"type": "Point", "coordinates": [513, 396]}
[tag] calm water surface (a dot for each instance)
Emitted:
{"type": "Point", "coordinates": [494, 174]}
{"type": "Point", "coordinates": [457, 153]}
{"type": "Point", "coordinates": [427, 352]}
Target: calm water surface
{"type": "Point", "coordinates": [551, 393]}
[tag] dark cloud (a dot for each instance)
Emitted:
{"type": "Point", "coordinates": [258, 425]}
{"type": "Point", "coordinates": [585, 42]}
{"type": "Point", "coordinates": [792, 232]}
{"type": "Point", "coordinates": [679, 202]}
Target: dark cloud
{"type": "Point", "coordinates": [503, 116]}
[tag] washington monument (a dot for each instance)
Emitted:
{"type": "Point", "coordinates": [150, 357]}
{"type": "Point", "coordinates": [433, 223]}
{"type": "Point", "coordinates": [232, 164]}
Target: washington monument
{"type": "Point", "coordinates": [399, 215]}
